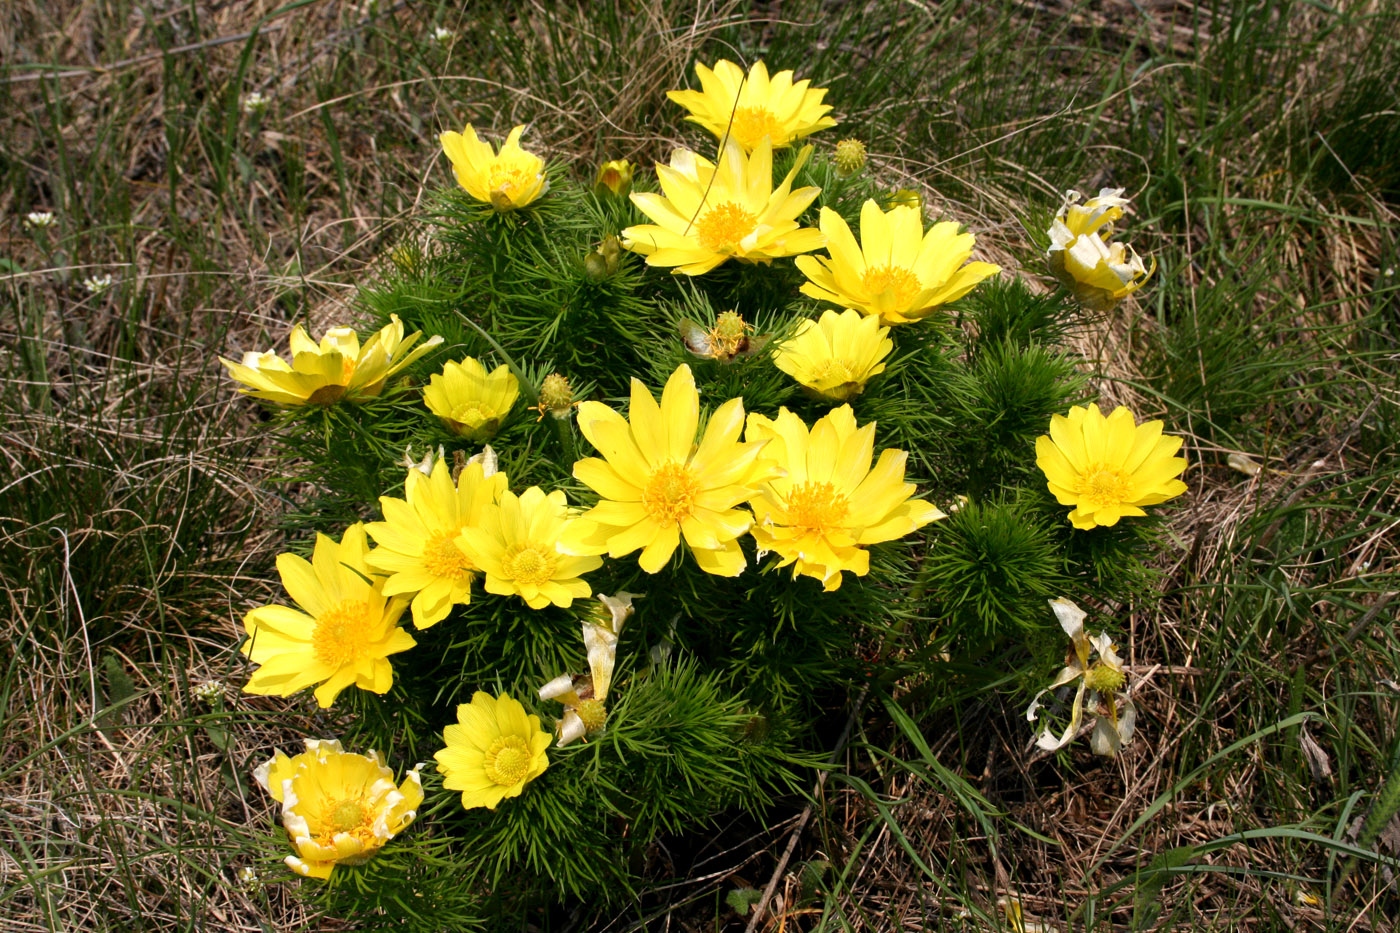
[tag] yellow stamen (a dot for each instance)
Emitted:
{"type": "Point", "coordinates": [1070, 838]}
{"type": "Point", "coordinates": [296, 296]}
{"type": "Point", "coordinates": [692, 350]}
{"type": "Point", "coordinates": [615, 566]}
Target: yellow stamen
{"type": "Point", "coordinates": [670, 493]}
{"type": "Point", "coordinates": [722, 227]}
{"type": "Point", "coordinates": [816, 507]}
{"type": "Point", "coordinates": [442, 558]}
{"type": "Point", "coordinates": [1104, 486]}
{"type": "Point", "coordinates": [751, 124]}
{"type": "Point", "coordinates": [897, 281]}
{"type": "Point", "coordinates": [342, 635]}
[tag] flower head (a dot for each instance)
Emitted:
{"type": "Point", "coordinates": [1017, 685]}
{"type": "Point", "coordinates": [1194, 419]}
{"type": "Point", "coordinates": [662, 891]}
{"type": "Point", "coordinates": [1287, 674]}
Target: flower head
{"type": "Point", "coordinates": [470, 402]}
{"type": "Point", "coordinates": [253, 103]}
{"type": "Point", "coordinates": [506, 180]}
{"type": "Point", "coordinates": [835, 356]}
{"type": "Point", "coordinates": [709, 213]}
{"type": "Point", "coordinates": [35, 220]}
{"type": "Point", "coordinates": [493, 751]}
{"type": "Point", "coordinates": [896, 271]}
{"type": "Point", "coordinates": [338, 367]}
{"type": "Point", "coordinates": [819, 516]}
{"type": "Point", "coordinates": [614, 178]}
{"type": "Point", "coordinates": [1099, 681]}
{"type": "Point", "coordinates": [442, 35]}
{"type": "Point", "coordinates": [339, 808]}
{"type": "Point", "coordinates": [584, 698]}
{"type": "Point", "coordinates": [515, 543]}
{"type": "Point", "coordinates": [753, 107]}
{"type": "Point", "coordinates": [657, 484]}
{"type": "Point", "coordinates": [1108, 467]}
{"type": "Point", "coordinates": [97, 284]}
{"type": "Point", "coordinates": [345, 634]}
{"type": "Point", "coordinates": [418, 538]}
{"type": "Point", "coordinates": [1100, 273]}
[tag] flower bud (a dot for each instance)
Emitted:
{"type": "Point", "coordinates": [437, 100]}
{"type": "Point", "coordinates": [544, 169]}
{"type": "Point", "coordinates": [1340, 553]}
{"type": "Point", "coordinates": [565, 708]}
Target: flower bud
{"type": "Point", "coordinates": [614, 178]}
{"type": "Point", "coordinates": [850, 157]}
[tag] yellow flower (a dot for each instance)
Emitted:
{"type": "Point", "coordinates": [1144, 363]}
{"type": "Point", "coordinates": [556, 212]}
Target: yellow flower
{"type": "Point", "coordinates": [338, 367]}
{"type": "Point", "coordinates": [896, 271]}
{"type": "Point", "coordinates": [837, 355]}
{"type": "Point", "coordinates": [338, 808]}
{"type": "Point", "coordinates": [1099, 273]}
{"type": "Point", "coordinates": [470, 402]}
{"type": "Point", "coordinates": [819, 516]}
{"type": "Point", "coordinates": [749, 109]}
{"type": "Point", "coordinates": [508, 180]}
{"type": "Point", "coordinates": [417, 541]}
{"type": "Point", "coordinates": [584, 698]}
{"type": "Point", "coordinates": [516, 544]}
{"type": "Point", "coordinates": [1108, 467]}
{"type": "Point", "coordinates": [493, 751]}
{"type": "Point", "coordinates": [1099, 681]}
{"type": "Point", "coordinates": [657, 485]}
{"type": "Point", "coordinates": [707, 214]}
{"type": "Point", "coordinates": [345, 635]}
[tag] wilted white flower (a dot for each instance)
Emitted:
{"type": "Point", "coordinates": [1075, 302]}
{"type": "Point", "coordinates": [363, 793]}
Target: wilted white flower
{"type": "Point", "coordinates": [97, 284]}
{"type": "Point", "coordinates": [424, 466]}
{"type": "Point", "coordinates": [1099, 684]}
{"type": "Point", "coordinates": [37, 219]}
{"type": "Point", "coordinates": [253, 102]}
{"type": "Point", "coordinates": [443, 34]}
{"type": "Point", "coordinates": [584, 698]}
{"type": "Point", "coordinates": [488, 460]}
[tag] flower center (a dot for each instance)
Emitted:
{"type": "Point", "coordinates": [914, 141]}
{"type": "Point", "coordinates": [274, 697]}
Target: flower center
{"type": "Point", "coordinates": [342, 635]}
{"type": "Point", "coordinates": [722, 227]}
{"type": "Point", "coordinates": [509, 179]}
{"type": "Point", "coordinates": [751, 124]}
{"type": "Point", "coordinates": [896, 281]}
{"type": "Point", "coordinates": [346, 815]}
{"type": "Point", "coordinates": [670, 493]}
{"type": "Point", "coordinates": [1104, 679]}
{"type": "Point", "coordinates": [531, 564]}
{"type": "Point", "coordinates": [507, 761]}
{"type": "Point", "coordinates": [1103, 486]}
{"type": "Point", "coordinates": [834, 372]}
{"type": "Point", "coordinates": [442, 558]}
{"type": "Point", "coordinates": [473, 414]}
{"type": "Point", "coordinates": [593, 714]}
{"type": "Point", "coordinates": [816, 507]}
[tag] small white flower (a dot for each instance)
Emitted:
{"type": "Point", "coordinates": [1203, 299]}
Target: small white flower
{"type": "Point", "coordinates": [248, 877]}
{"type": "Point", "coordinates": [443, 35]}
{"type": "Point", "coordinates": [37, 219]}
{"type": "Point", "coordinates": [254, 102]}
{"type": "Point", "coordinates": [207, 691]}
{"type": "Point", "coordinates": [97, 284]}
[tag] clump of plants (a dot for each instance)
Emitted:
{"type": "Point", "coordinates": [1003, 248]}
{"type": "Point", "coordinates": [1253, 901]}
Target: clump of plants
{"type": "Point", "coordinates": [599, 513]}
